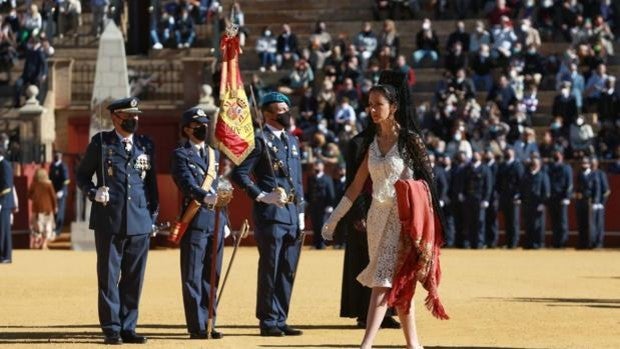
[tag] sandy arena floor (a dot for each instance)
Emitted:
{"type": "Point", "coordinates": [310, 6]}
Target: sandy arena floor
{"type": "Point", "coordinates": [496, 298]}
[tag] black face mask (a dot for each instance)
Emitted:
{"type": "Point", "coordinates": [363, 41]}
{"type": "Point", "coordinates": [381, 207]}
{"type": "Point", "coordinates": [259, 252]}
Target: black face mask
{"type": "Point", "coordinates": [129, 125]}
{"type": "Point", "coordinates": [284, 119]}
{"type": "Point", "coordinates": [556, 158]}
{"type": "Point", "coordinates": [200, 132]}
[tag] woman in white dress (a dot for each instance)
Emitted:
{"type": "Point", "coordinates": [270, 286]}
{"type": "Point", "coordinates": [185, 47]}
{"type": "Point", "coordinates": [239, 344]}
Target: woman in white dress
{"type": "Point", "coordinates": [395, 152]}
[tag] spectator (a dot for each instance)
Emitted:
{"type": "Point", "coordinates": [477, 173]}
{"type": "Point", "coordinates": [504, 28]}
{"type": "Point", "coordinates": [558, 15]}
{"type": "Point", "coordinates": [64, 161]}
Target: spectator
{"type": "Point", "coordinates": [456, 58]}
{"type": "Point", "coordinates": [504, 96]}
{"type": "Point", "coordinates": [161, 27]}
{"type": "Point", "coordinates": [48, 16]}
{"type": "Point", "coordinates": [345, 114]}
{"type": "Point", "coordinates": [603, 37]}
{"type": "Point", "coordinates": [12, 20]}
{"type": "Point", "coordinates": [595, 85]}
{"type": "Point", "coordinates": [482, 66]}
{"type": "Point", "coordinates": [533, 65]}
{"type": "Point", "coordinates": [8, 53]}
{"type": "Point", "coordinates": [99, 9]}
{"type": "Point", "coordinates": [266, 47]}
{"type": "Point", "coordinates": [427, 44]}
{"type": "Point", "coordinates": [564, 104]}
{"type": "Point", "coordinates": [350, 92]}
{"type": "Point", "coordinates": [352, 70]}
{"type": "Point", "coordinates": [566, 19]}
{"type": "Point", "coordinates": [609, 13]}
{"type": "Point", "coordinates": [44, 206]}
{"type": "Point", "coordinates": [462, 87]}
{"type": "Point", "coordinates": [581, 137]}
{"type": "Point", "coordinates": [480, 37]}
{"type": "Point", "coordinates": [385, 59]}
{"type": "Point", "coordinates": [287, 47]}
{"type": "Point", "coordinates": [308, 110]}
{"type": "Point", "coordinates": [504, 39]}
{"type": "Point", "coordinates": [609, 104]}
{"type": "Point", "coordinates": [459, 35]}
{"type": "Point", "coordinates": [327, 100]}
{"type": "Point", "coordinates": [316, 57]}
{"type": "Point", "coordinates": [324, 37]}
{"type": "Point", "coordinates": [238, 18]}
{"type": "Point", "coordinates": [528, 35]}
{"type": "Point", "coordinates": [35, 70]}
{"type": "Point", "coordinates": [526, 147]}
{"type": "Point", "coordinates": [459, 144]}
{"type": "Point", "coordinates": [530, 100]}
{"type": "Point", "coordinates": [577, 83]}
{"type": "Point", "coordinates": [366, 43]}
{"type": "Point", "coordinates": [302, 76]}
{"type": "Point", "coordinates": [381, 9]}
{"type": "Point", "coordinates": [582, 32]}
{"type": "Point", "coordinates": [547, 147]}
{"type": "Point", "coordinates": [31, 25]}
{"type": "Point", "coordinates": [184, 29]}
{"type": "Point", "coordinates": [70, 17]}
{"type": "Point", "coordinates": [402, 66]}
{"type": "Point", "coordinates": [389, 37]}
{"type": "Point", "coordinates": [500, 10]}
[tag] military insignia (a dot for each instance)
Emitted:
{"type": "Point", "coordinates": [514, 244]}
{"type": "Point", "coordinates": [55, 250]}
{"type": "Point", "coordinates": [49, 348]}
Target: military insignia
{"type": "Point", "coordinates": [275, 167]}
{"type": "Point", "coordinates": [143, 163]}
{"type": "Point", "coordinates": [110, 151]}
{"type": "Point", "coordinates": [110, 171]}
{"type": "Point", "coordinates": [200, 113]}
{"type": "Point", "coordinates": [191, 165]}
{"type": "Point", "coordinates": [143, 175]}
{"type": "Point", "coordinates": [294, 151]}
{"type": "Point", "coordinates": [134, 103]}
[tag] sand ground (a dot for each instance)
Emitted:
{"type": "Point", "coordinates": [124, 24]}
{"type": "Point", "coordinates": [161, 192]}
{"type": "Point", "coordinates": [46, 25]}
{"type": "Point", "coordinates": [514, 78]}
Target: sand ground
{"type": "Point", "coordinates": [496, 298]}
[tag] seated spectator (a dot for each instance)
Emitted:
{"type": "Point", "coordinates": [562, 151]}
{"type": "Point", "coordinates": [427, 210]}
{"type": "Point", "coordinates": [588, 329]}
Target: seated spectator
{"type": "Point", "coordinates": [316, 56]}
{"type": "Point", "coordinates": [266, 47]}
{"type": "Point", "coordinates": [533, 65]}
{"type": "Point", "coordinates": [326, 100]}
{"type": "Point", "coordinates": [547, 147]}
{"type": "Point", "coordinates": [350, 92]}
{"type": "Point", "coordinates": [302, 76]}
{"type": "Point", "coordinates": [609, 104]}
{"type": "Point", "coordinates": [308, 110]}
{"type": "Point", "coordinates": [603, 36]}
{"type": "Point", "coordinates": [70, 17]}
{"type": "Point", "coordinates": [456, 58]}
{"type": "Point", "coordinates": [427, 44]}
{"type": "Point", "coordinates": [99, 8]}
{"type": "Point", "coordinates": [324, 37]}
{"type": "Point", "coordinates": [35, 70]}
{"type": "Point", "coordinates": [614, 167]}
{"type": "Point", "coordinates": [500, 10]}
{"type": "Point", "coordinates": [12, 20]}
{"type": "Point", "coordinates": [528, 35]}
{"type": "Point", "coordinates": [403, 67]}
{"type": "Point", "coordinates": [480, 37]}
{"type": "Point", "coordinates": [566, 18]}
{"type": "Point", "coordinates": [526, 147]}
{"type": "Point", "coordinates": [287, 49]}
{"type": "Point", "coordinates": [559, 130]}
{"type": "Point", "coordinates": [385, 60]}
{"type": "Point", "coordinates": [345, 114]}
{"type": "Point", "coordinates": [595, 85]}
{"type": "Point", "coordinates": [504, 38]}
{"type": "Point", "coordinates": [530, 101]}
{"type": "Point", "coordinates": [482, 65]}
{"type": "Point", "coordinates": [8, 53]}
{"type": "Point", "coordinates": [582, 32]}
{"type": "Point", "coordinates": [398, 9]}
{"type": "Point", "coordinates": [459, 144]}
{"type": "Point", "coordinates": [461, 86]}
{"type": "Point", "coordinates": [504, 96]}
{"type": "Point", "coordinates": [352, 71]}
{"type": "Point", "coordinates": [380, 9]}
{"type": "Point", "coordinates": [238, 17]}
{"type": "Point", "coordinates": [366, 43]}
{"type": "Point", "coordinates": [374, 72]}
{"type": "Point", "coordinates": [459, 35]}
{"type": "Point", "coordinates": [564, 104]}
{"type": "Point", "coordinates": [161, 28]}
{"type": "Point", "coordinates": [31, 24]}
{"type": "Point", "coordinates": [577, 83]}
{"type": "Point", "coordinates": [581, 138]}
{"type": "Point", "coordinates": [184, 30]}
{"type": "Point", "coordinates": [389, 37]}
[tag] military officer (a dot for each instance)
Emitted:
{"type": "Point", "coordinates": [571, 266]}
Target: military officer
{"type": "Point", "coordinates": [509, 175]}
{"type": "Point", "coordinates": [320, 197]}
{"type": "Point", "coordinates": [59, 175]}
{"type": "Point", "coordinates": [587, 194]}
{"type": "Point", "coordinates": [457, 198]}
{"type": "Point", "coordinates": [561, 180]}
{"type": "Point", "coordinates": [7, 205]}
{"type": "Point", "coordinates": [599, 209]}
{"type": "Point", "coordinates": [491, 228]}
{"type": "Point", "coordinates": [191, 162]}
{"type": "Point", "coordinates": [535, 191]}
{"type": "Point", "coordinates": [477, 190]}
{"type": "Point", "coordinates": [441, 181]}
{"type": "Point", "coordinates": [445, 162]}
{"type": "Point", "coordinates": [278, 216]}
{"type": "Point", "coordinates": [124, 209]}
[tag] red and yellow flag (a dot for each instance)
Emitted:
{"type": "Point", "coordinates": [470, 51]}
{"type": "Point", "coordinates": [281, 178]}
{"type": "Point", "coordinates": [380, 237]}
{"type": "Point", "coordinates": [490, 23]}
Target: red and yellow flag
{"type": "Point", "coordinates": [234, 131]}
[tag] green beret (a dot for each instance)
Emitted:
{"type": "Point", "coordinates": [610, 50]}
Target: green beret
{"type": "Point", "coordinates": [274, 97]}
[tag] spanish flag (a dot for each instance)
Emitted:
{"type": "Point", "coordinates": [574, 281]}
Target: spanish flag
{"type": "Point", "coordinates": [234, 131]}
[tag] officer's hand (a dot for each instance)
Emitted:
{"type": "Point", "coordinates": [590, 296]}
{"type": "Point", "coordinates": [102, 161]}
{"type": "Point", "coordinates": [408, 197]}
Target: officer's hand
{"type": "Point", "coordinates": [210, 199]}
{"type": "Point", "coordinates": [329, 209]}
{"type": "Point", "coordinates": [302, 221]}
{"type": "Point", "coordinates": [226, 231]}
{"type": "Point", "coordinates": [540, 207]}
{"type": "Point", "coordinates": [461, 197]}
{"type": "Point", "coordinates": [60, 194]}
{"type": "Point", "coordinates": [273, 198]}
{"type": "Point", "coordinates": [484, 204]}
{"type": "Point", "coordinates": [565, 202]}
{"type": "Point", "coordinates": [103, 195]}
{"type": "Point", "coordinates": [441, 203]}
{"type": "Point", "coordinates": [11, 219]}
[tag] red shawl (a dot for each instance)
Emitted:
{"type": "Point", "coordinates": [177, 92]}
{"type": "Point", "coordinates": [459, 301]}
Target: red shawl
{"type": "Point", "coordinates": [419, 262]}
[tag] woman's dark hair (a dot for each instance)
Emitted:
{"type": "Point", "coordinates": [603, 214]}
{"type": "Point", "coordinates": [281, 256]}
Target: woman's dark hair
{"type": "Point", "coordinates": [393, 86]}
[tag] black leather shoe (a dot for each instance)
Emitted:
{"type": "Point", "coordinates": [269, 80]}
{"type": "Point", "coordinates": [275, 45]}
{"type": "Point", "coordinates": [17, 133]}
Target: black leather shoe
{"type": "Point", "coordinates": [361, 323]}
{"type": "Point", "coordinates": [198, 335]}
{"type": "Point", "coordinates": [216, 335]}
{"type": "Point", "coordinates": [389, 322]}
{"type": "Point", "coordinates": [133, 338]}
{"type": "Point", "coordinates": [271, 332]}
{"type": "Point", "coordinates": [6, 261]}
{"type": "Point", "coordinates": [289, 331]}
{"type": "Point", "coordinates": [112, 340]}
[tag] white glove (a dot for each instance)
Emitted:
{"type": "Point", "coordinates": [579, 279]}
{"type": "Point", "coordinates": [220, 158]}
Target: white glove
{"type": "Point", "coordinates": [461, 197]}
{"type": "Point", "coordinates": [60, 194]}
{"type": "Point", "coordinates": [273, 198]}
{"type": "Point", "coordinates": [329, 209]}
{"type": "Point", "coordinates": [11, 219]}
{"type": "Point", "coordinates": [484, 204]}
{"type": "Point", "coordinates": [226, 231]}
{"type": "Point", "coordinates": [302, 221]}
{"type": "Point", "coordinates": [540, 207]}
{"type": "Point", "coordinates": [327, 232]}
{"type": "Point", "coordinates": [597, 206]}
{"type": "Point", "coordinates": [210, 199]}
{"type": "Point", "coordinates": [103, 195]}
{"type": "Point", "coordinates": [441, 203]}
{"type": "Point", "coordinates": [565, 202]}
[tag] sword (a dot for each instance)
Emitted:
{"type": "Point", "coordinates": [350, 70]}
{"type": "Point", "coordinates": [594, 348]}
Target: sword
{"type": "Point", "coordinates": [101, 146]}
{"type": "Point", "coordinates": [243, 232]}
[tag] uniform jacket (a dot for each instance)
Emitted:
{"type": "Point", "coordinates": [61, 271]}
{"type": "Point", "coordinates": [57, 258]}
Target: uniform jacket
{"type": "Point", "coordinates": [59, 175]}
{"type": "Point", "coordinates": [6, 185]}
{"type": "Point", "coordinates": [509, 179]}
{"type": "Point", "coordinates": [134, 202]}
{"type": "Point", "coordinates": [589, 187]}
{"type": "Point", "coordinates": [561, 180]}
{"type": "Point", "coordinates": [535, 188]}
{"type": "Point", "coordinates": [478, 183]}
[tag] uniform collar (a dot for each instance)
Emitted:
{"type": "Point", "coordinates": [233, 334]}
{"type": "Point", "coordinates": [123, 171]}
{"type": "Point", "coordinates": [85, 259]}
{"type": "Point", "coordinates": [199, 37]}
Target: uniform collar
{"type": "Point", "coordinates": [1, 158]}
{"type": "Point", "coordinates": [121, 138]}
{"type": "Point", "coordinates": [587, 172]}
{"type": "Point", "coordinates": [57, 163]}
{"type": "Point", "coordinates": [197, 147]}
{"type": "Point", "coordinates": [275, 131]}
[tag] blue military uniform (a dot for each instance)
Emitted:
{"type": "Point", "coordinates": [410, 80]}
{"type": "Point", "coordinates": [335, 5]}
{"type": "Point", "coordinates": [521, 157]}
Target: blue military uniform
{"type": "Point", "coordinates": [561, 180]}
{"type": "Point", "coordinates": [598, 237]}
{"type": "Point", "coordinates": [509, 175]}
{"type": "Point", "coordinates": [491, 228]}
{"type": "Point", "coordinates": [276, 228]}
{"type": "Point", "coordinates": [587, 192]}
{"type": "Point", "coordinates": [59, 175]}
{"type": "Point", "coordinates": [456, 207]}
{"type": "Point", "coordinates": [441, 181]}
{"type": "Point", "coordinates": [123, 225]}
{"type": "Point", "coordinates": [7, 203]}
{"type": "Point", "coordinates": [478, 188]}
{"type": "Point", "coordinates": [189, 168]}
{"type": "Point", "coordinates": [535, 191]}
{"type": "Point", "coordinates": [320, 196]}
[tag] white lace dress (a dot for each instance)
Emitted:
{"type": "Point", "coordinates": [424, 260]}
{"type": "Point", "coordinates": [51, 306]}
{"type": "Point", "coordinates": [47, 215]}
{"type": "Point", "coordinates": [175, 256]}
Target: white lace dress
{"type": "Point", "coordinates": [383, 224]}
